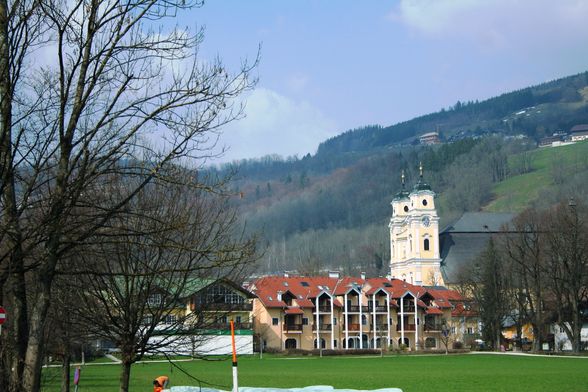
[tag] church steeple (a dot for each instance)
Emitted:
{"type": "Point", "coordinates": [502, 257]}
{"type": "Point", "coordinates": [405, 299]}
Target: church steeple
{"type": "Point", "coordinates": [414, 234]}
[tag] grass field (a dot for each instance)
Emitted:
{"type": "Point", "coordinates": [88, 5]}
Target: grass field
{"type": "Point", "coordinates": [514, 193]}
{"type": "Point", "coordinates": [411, 373]}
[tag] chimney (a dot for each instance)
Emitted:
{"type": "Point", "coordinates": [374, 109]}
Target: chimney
{"type": "Point", "coordinates": [279, 295]}
{"type": "Point", "coordinates": [286, 274]}
{"type": "Point", "coordinates": [334, 274]}
{"type": "Point", "coordinates": [362, 275]}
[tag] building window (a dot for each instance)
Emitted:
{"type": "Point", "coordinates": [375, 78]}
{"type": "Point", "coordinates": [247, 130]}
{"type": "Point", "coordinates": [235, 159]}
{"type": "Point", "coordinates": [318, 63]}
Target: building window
{"type": "Point", "coordinates": [405, 208]}
{"type": "Point", "coordinates": [453, 330]}
{"type": "Point", "coordinates": [363, 319]}
{"type": "Point", "coordinates": [275, 321]}
{"type": "Point", "coordinates": [426, 244]}
{"type": "Point", "coordinates": [154, 300]}
{"type": "Point", "coordinates": [238, 319]}
{"type": "Point", "coordinates": [304, 320]}
{"type": "Point", "coordinates": [334, 320]}
{"type": "Point", "coordinates": [170, 319]}
{"type": "Point", "coordinates": [220, 294]}
{"type": "Point", "coordinates": [334, 344]}
{"type": "Point", "coordinates": [430, 342]}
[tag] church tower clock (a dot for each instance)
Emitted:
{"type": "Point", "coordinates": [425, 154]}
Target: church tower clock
{"type": "Point", "coordinates": [414, 235]}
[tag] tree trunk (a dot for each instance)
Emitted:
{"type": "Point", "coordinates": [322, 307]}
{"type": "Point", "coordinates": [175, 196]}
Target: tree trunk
{"type": "Point", "coordinates": [65, 370]}
{"type": "Point", "coordinates": [125, 375]}
{"type": "Point", "coordinates": [16, 340]}
{"type": "Point", "coordinates": [38, 316]}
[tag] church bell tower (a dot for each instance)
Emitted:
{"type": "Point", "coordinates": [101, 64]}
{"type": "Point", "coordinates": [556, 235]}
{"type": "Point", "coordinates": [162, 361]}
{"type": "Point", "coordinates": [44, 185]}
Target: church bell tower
{"type": "Point", "coordinates": [414, 235]}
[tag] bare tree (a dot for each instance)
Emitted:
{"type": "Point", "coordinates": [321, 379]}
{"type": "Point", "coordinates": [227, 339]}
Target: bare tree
{"type": "Point", "coordinates": [568, 266]}
{"type": "Point", "coordinates": [170, 239]}
{"type": "Point", "coordinates": [116, 95]}
{"type": "Point", "coordinates": [524, 244]}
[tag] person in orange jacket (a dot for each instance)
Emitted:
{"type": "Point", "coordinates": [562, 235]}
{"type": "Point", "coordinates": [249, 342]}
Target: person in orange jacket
{"type": "Point", "coordinates": [159, 383]}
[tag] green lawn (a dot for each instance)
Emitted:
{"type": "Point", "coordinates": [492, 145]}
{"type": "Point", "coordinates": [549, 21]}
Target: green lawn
{"type": "Point", "coordinates": [410, 372]}
{"type": "Point", "coordinates": [515, 193]}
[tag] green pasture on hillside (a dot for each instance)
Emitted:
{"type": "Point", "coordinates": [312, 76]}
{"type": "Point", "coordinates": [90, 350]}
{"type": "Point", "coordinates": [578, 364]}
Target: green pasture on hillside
{"type": "Point", "coordinates": [514, 193]}
{"type": "Point", "coordinates": [412, 373]}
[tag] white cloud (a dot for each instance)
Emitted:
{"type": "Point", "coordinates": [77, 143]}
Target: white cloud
{"type": "Point", "coordinates": [497, 24]}
{"type": "Point", "coordinates": [275, 124]}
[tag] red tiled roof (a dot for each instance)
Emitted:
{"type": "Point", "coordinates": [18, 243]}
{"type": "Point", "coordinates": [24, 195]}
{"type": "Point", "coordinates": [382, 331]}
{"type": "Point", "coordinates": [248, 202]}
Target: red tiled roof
{"type": "Point", "coordinates": [433, 311]}
{"type": "Point", "coordinates": [304, 290]}
{"type": "Point", "coordinates": [293, 310]}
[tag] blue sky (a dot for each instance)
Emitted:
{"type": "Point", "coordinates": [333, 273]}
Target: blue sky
{"type": "Point", "coordinates": [328, 66]}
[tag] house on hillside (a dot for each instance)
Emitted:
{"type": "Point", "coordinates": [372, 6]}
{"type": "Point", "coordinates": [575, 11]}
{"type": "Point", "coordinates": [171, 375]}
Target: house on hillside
{"type": "Point", "coordinates": [579, 132]}
{"type": "Point", "coordinates": [430, 138]}
{"type": "Point", "coordinates": [309, 312]}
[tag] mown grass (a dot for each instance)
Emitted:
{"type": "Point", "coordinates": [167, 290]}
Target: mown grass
{"type": "Point", "coordinates": [411, 373]}
{"type": "Point", "coordinates": [515, 193]}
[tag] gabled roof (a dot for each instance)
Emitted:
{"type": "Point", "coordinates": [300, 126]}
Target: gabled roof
{"type": "Point", "coordinates": [193, 286]}
{"type": "Point", "coordinates": [579, 128]}
{"type": "Point", "coordinates": [463, 241]}
{"type": "Point", "coordinates": [305, 295]}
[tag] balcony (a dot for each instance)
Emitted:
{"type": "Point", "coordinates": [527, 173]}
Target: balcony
{"type": "Point", "coordinates": [222, 306]}
{"type": "Point", "coordinates": [355, 308]}
{"type": "Point", "coordinates": [224, 326]}
{"type": "Point", "coordinates": [381, 327]}
{"type": "Point", "coordinates": [407, 327]}
{"type": "Point", "coordinates": [352, 327]}
{"type": "Point", "coordinates": [379, 308]}
{"type": "Point", "coordinates": [430, 327]}
{"type": "Point", "coordinates": [325, 308]}
{"type": "Point", "coordinates": [323, 327]}
{"type": "Point", "coordinates": [408, 308]}
{"type": "Point", "coordinates": [292, 327]}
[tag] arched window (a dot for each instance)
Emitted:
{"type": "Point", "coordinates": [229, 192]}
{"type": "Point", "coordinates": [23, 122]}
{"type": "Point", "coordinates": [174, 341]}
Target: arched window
{"type": "Point", "coordinates": [323, 343]}
{"type": "Point", "coordinates": [290, 343]}
{"type": "Point", "coordinates": [426, 244]}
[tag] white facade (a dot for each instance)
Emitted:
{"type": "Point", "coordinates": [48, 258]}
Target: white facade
{"type": "Point", "coordinates": [562, 343]}
{"type": "Point", "coordinates": [206, 345]}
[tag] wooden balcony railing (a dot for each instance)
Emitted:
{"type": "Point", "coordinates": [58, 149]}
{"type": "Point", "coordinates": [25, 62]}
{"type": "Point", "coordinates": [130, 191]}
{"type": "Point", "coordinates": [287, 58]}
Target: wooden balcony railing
{"type": "Point", "coordinates": [355, 308]}
{"type": "Point", "coordinates": [407, 327]}
{"type": "Point", "coordinates": [211, 307]}
{"type": "Point", "coordinates": [379, 308]}
{"type": "Point", "coordinates": [292, 327]}
{"type": "Point", "coordinates": [323, 327]}
{"type": "Point", "coordinates": [433, 327]}
{"type": "Point", "coordinates": [325, 308]}
{"type": "Point", "coordinates": [408, 308]}
{"type": "Point", "coordinates": [352, 327]}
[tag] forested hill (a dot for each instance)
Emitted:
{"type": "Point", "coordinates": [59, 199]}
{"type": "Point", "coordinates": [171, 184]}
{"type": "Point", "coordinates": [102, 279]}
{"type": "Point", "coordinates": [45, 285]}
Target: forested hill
{"type": "Point", "coordinates": [330, 210]}
{"type": "Point", "coordinates": [536, 112]}
{"type": "Point", "coordinates": [551, 106]}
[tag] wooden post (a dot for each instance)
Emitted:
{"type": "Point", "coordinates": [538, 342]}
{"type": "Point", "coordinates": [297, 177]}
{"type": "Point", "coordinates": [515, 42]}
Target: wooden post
{"type": "Point", "coordinates": [235, 378]}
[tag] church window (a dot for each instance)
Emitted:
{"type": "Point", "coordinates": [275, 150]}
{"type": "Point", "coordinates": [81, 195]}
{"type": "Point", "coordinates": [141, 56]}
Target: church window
{"type": "Point", "coordinates": [426, 244]}
{"type": "Point", "coordinates": [424, 202]}
{"type": "Point", "coordinates": [405, 208]}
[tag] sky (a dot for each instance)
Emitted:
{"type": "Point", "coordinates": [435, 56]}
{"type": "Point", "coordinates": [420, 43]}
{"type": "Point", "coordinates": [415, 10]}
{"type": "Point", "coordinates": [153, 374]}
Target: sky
{"type": "Point", "coordinates": [329, 66]}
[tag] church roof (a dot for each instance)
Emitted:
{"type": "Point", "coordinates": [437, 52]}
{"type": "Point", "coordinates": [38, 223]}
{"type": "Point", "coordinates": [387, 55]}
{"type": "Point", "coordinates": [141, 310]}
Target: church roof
{"type": "Point", "coordinates": [421, 186]}
{"type": "Point", "coordinates": [463, 241]}
{"type": "Point", "coordinates": [474, 222]}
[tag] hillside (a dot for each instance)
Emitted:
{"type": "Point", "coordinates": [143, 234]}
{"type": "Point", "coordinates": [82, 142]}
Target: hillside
{"type": "Point", "coordinates": [330, 210]}
{"type": "Point", "coordinates": [554, 174]}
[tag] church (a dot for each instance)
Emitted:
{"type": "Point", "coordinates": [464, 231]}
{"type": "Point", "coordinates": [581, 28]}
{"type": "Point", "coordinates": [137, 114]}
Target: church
{"type": "Point", "coordinates": [422, 255]}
